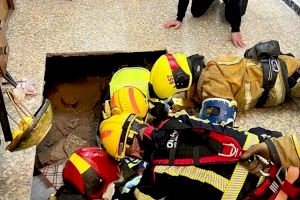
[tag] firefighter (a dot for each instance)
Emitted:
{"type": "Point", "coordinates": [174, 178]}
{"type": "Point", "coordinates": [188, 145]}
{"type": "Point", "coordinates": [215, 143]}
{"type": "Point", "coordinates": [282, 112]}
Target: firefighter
{"type": "Point", "coordinates": [187, 156]}
{"type": "Point", "coordinates": [131, 87]}
{"type": "Point", "coordinates": [263, 77]}
{"type": "Point", "coordinates": [283, 151]}
{"type": "Point", "coordinates": [90, 173]}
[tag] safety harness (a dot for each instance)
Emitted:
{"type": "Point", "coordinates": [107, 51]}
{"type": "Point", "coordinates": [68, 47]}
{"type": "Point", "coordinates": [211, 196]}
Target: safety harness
{"type": "Point", "coordinates": [225, 145]}
{"type": "Point", "coordinates": [273, 183]}
{"type": "Point", "coordinates": [267, 53]}
{"type": "Point", "coordinates": [271, 66]}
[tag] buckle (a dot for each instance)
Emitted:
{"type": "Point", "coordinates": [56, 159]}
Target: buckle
{"type": "Point", "coordinates": [233, 151]}
{"type": "Point", "coordinates": [280, 175]}
{"type": "Point", "coordinates": [264, 161]}
{"type": "Point", "coordinates": [274, 64]}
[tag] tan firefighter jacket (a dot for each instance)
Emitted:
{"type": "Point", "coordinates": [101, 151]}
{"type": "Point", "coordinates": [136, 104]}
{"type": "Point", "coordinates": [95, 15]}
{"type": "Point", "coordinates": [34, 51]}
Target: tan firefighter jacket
{"type": "Point", "coordinates": [241, 79]}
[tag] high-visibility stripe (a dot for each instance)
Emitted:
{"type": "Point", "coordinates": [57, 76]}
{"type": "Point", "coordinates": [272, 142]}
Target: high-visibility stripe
{"type": "Point", "coordinates": [239, 174]}
{"type": "Point", "coordinates": [248, 97]}
{"type": "Point", "coordinates": [261, 180]}
{"type": "Point", "coordinates": [80, 164]}
{"type": "Point", "coordinates": [132, 100]}
{"type": "Point", "coordinates": [195, 173]}
{"type": "Point", "coordinates": [141, 196]}
{"type": "Point", "coordinates": [296, 139]}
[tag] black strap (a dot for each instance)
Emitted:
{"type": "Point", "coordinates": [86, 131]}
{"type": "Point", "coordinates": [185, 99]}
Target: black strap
{"type": "Point", "coordinates": [273, 152]}
{"type": "Point", "coordinates": [284, 73]}
{"type": "Point", "coordinates": [292, 80]}
{"type": "Point", "coordinates": [4, 120]}
{"type": "Point", "coordinates": [269, 79]}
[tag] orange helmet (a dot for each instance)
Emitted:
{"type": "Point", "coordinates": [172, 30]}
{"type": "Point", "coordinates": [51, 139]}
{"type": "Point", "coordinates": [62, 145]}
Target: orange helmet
{"type": "Point", "coordinates": [130, 100]}
{"type": "Point", "coordinates": [90, 170]}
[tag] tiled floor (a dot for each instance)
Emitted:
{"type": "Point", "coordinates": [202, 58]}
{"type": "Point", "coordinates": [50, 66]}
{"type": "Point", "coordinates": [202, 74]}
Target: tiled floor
{"type": "Point", "coordinates": [41, 27]}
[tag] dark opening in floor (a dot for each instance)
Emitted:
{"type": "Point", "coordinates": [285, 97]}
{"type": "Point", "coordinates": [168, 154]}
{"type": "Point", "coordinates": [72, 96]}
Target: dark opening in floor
{"type": "Point", "coordinates": [74, 85]}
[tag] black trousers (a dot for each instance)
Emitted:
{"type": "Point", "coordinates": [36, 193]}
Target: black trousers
{"type": "Point", "coordinates": [234, 9]}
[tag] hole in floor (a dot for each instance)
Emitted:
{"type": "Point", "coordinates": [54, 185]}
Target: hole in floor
{"type": "Point", "coordinates": [74, 85]}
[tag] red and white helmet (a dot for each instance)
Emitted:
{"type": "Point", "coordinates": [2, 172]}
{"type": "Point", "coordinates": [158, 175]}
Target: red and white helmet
{"type": "Point", "coordinates": [90, 170]}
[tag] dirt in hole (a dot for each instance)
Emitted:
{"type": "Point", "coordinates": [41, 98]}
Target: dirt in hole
{"type": "Point", "coordinates": [75, 118]}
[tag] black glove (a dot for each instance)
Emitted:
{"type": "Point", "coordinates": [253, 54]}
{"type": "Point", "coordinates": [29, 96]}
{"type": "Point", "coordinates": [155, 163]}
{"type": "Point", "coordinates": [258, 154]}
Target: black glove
{"type": "Point", "coordinates": [159, 111]}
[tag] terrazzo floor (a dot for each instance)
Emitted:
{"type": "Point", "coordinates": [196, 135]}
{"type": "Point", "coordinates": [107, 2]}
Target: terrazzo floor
{"type": "Point", "coordinates": [40, 27]}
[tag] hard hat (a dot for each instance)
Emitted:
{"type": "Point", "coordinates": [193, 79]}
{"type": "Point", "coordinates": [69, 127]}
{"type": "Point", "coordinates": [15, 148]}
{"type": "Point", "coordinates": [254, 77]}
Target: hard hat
{"type": "Point", "coordinates": [90, 170]}
{"type": "Point", "coordinates": [130, 100]}
{"type": "Point", "coordinates": [117, 133]}
{"type": "Point", "coordinates": [137, 77]}
{"type": "Point", "coordinates": [218, 110]}
{"type": "Point", "coordinates": [170, 74]}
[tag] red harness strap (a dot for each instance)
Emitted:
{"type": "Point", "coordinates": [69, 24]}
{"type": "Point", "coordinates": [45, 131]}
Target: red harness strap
{"type": "Point", "coordinates": [229, 153]}
{"type": "Point", "coordinates": [291, 190]}
{"type": "Point", "coordinates": [271, 186]}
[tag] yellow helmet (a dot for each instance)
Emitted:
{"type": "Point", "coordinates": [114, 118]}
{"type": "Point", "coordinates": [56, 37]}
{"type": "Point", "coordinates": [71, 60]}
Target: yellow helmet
{"type": "Point", "coordinates": [170, 74]}
{"type": "Point", "coordinates": [117, 132]}
{"type": "Point", "coordinates": [130, 100]}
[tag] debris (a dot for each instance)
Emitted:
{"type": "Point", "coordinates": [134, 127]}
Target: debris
{"type": "Point", "coordinates": [44, 157]}
{"type": "Point", "coordinates": [73, 143]}
{"type": "Point", "coordinates": [58, 152]}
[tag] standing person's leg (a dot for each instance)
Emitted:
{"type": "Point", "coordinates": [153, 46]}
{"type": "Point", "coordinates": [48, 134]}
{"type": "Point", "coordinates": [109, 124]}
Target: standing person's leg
{"type": "Point", "coordinates": [199, 7]}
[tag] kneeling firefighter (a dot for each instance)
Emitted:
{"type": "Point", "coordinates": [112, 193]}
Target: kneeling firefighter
{"type": "Point", "coordinates": [187, 156]}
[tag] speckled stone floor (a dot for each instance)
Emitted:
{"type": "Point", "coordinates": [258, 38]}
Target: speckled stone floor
{"type": "Point", "coordinates": [41, 27]}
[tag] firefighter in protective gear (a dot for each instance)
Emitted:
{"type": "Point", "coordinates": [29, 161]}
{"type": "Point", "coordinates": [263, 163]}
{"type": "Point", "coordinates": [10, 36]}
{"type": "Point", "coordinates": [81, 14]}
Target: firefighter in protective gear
{"type": "Point", "coordinates": [129, 99]}
{"type": "Point", "coordinates": [188, 156]}
{"type": "Point", "coordinates": [283, 151]}
{"type": "Point", "coordinates": [262, 80]}
{"type": "Point", "coordinates": [92, 172]}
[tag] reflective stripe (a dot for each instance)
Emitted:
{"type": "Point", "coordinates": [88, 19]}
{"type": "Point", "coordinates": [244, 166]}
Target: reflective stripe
{"type": "Point", "coordinates": [80, 164]}
{"type": "Point", "coordinates": [132, 101]}
{"type": "Point", "coordinates": [239, 174]}
{"type": "Point", "coordinates": [296, 139]}
{"type": "Point", "coordinates": [279, 90]}
{"type": "Point", "coordinates": [195, 173]}
{"type": "Point", "coordinates": [141, 196]}
{"type": "Point", "coordinates": [248, 97]}
{"type": "Point", "coordinates": [261, 180]}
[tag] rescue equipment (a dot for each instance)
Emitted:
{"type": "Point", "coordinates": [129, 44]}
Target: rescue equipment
{"type": "Point", "coordinates": [218, 110]}
{"type": "Point", "coordinates": [267, 53]}
{"type": "Point", "coordinates": [33, 130]}
{"type": "Point", "coordinates": [90, 170]}
{"type": "Point", "coordinates": [170, 74]}
{"type": "Point", "coordinates": [130, 100]}
{"type": "Point", "coordinates": [275, 181]}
